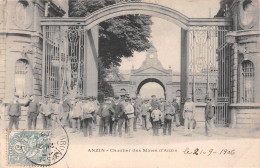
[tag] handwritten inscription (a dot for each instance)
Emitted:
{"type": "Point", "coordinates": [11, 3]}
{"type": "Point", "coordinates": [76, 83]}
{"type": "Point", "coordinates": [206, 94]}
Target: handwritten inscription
{"type": "Point", "coordinates": [209, 152]}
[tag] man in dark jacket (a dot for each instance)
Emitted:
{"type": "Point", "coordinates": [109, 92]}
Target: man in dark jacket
{"type": "Point", "coordinates": [209, 114]}
{"type": "Point", "coordinates": [105, 111]}
{"type": "Point", "coordinates": [137, 107]}
{"type": "Point", "coordinates": [66, 105]}
{"type": "Point", "coordinates": [168, 115]}
{"type": "Point", "coordinates": [14, 112]}
{"type": "Point", "coordinates": [33, 112]}
{"type": "Point", "coordinates": [88, 110]}
{"type": "Point", "coordinates": [118, 116]}
{"type": "Point", "coordinates": [177, 112]}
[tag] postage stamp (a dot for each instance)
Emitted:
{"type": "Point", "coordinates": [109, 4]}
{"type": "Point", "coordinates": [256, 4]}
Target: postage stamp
{"type": "Point", "coordinates": [36, 147]}
{"type": "Point", "coordinates": [28, 147]}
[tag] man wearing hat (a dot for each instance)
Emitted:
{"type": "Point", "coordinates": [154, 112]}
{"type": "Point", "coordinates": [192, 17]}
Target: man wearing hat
{"type": "Point", "coordinates": [88, 110]}
{"type": "Point", "coordinates": [33, 112]}
{"type": "Point", "coordinates": [66, 107]}
{"type": "Point", "coordinates": [188, 113]}
{"type": "Point", "coordinates": [162, 108]}
{"type": "Point", "coordinates": [76, 114]}
{"type": "Point", "coordinates": [104, 112]}
{"type": "Point", "coordinates": [14, 112]}
{"type": "Point", "coordinates": [118, 117]}
{"type": "Point", "coordinates": [168, 116]}
{"type": "Point", "coordinates": [137, 106]}
{"type": "Point", "coordinates": [145, 113]}
{"type": "Point", "coordinates": [129, 111]}
{"type": "Point", "coordinates": [209, 114]}
{"type": "Point", "coordinates": [43, 109]}
{"type": "Point", "coordinates": [57, 112]}
{"type": "Point", "coordinates": [96, 106]}
{"type": "Point", "coordinates": [154, 103]}
{"type": "Point", "coordinates": [177, 111]}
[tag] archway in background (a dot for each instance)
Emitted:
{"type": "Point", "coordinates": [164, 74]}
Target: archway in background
{"type": "Point", "coordinates": [151, 80]}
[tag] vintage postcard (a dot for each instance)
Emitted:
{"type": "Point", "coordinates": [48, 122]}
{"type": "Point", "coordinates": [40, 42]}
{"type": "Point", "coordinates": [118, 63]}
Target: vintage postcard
{"type": "Point", "coordinates": [129, 83]}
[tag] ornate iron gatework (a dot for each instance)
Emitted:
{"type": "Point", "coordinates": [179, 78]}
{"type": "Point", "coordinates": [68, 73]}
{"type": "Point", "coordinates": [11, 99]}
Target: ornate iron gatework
{"type": "Point", "coordinates": [63, 62]}
{"type": "Point", "coordinates": [207, 59]}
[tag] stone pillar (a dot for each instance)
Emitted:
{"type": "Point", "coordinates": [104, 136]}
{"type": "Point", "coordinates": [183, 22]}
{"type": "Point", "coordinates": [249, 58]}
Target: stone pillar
{"type": "Point", "coordinates": [91, 63]}
{"type": "Point", "coordinates": [184, 64]}
{"type": "Point", "coordinates": [184, 68]}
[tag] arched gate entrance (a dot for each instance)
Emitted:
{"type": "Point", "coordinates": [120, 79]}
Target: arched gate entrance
{"type": "Point", "coordinates": [70, 49]}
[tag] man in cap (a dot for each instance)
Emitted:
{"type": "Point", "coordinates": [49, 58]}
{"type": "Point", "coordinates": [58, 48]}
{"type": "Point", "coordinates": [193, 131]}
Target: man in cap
{"type": "Point", "coordinates": [129, 111]}
{"type": "Point", "coordinates": [96, 106]}
{"type": "Point", "coordinates": [33, 112]}
{"type": "Point", "coordinates": [154, 103]}
{"type": "Point", "coordinates": [162, 108]}
{"type": "Point", "coordinates": [177, 111]}
{"type": "Point", "coordinates": [145, 113]}
{"type": "Point", "coordinates": [88, 110]}
{"type": "Point", "coordinates": [104, 112]}
{"type": "Point", "coordinates": [66, 107]}
{"type": "Point", "coordinates": [75, 115]}
{"type": "Point", "coordinates": [209, 114]}
{"type": "Point", "coordinates": [57, 112]}
{"type": "Point", "coordinates": [44, 108]}
{"type": "Point", "coordinates": [118, 116]}
{"type": "Point", "coordinates": [188, 113]}
{"type": "Point", "coordinates": [14, 112]}
{"type": "Point", "coordinates": [168, 116]}
{"type": "Point", "coordinates": [137, 106]}
{"type": "Point", "coordinates": [156, 116]}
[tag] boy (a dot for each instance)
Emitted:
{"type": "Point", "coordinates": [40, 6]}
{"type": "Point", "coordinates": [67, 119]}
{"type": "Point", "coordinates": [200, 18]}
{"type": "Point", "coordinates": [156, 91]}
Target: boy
{"type": "Point", "coordinates": [156, 115]}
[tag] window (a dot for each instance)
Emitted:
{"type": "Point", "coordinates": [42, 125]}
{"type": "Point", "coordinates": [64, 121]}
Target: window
{"type": "Point", "coordinates": [22, 78]}
{"type": "Point", "coordinates": [248, 81]}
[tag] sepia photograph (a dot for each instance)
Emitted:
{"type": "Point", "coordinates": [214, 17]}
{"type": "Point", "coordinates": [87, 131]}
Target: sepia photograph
{"type": "Point", "coordinates": [129, 83]}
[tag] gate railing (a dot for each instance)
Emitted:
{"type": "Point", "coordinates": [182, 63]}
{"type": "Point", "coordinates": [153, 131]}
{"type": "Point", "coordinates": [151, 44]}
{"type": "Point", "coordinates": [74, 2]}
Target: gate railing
{"type": "Point", "coordinates": [63, 60]}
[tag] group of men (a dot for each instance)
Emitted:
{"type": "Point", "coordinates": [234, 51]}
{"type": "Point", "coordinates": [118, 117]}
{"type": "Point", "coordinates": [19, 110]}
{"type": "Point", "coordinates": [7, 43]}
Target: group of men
{"type": "Point", "coordinates": [115, 114]}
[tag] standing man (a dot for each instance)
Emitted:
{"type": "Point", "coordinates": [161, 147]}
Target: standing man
{"type": "Point", "coordinates": [44, 110]}
{"type": "Point", "coordinates": [75, 115]}
{"type": "Point", "coordinates": [162, 108]}
{"type": "Point", "coordinates": [145, 113]}
{"type": "Point", "coordinates": [129, 111]}
{"type": "Point", "coordinates": [168, 117]}
{"type": "Point", "coordinates": [96, 106]}
{"type": "Point", "coordinates": [118, 117]}
{"type": "Point", "coordinates": [137, 107]}
{"type": "Point", "coordinates": [57, 112]}
{"type": "Point", "coordinates": [177, 112]}
{"type": "Point", "coordinates": [66, 106]}
{"type": "Point", "coordinates": [209, 114]}
{"type": "Point", "coordinates": [188, 113]}
{"type": "Point", "coordinates": [105, 111]}
{"type": "Point", "coordinates": [14, 112]}
{"type": "Point", "coordinates": [154, 103]}
{"type": "Point", "coordinates": [156, 115]}
{"type": "Point", "coordinates": [33, 112]}
{"type": "Point", "coordinates": [87, 116]}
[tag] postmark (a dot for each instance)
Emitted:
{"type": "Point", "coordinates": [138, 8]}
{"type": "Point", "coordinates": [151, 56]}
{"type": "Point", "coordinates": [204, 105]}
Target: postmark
{"type": "Point", "coordinates": [37, 147]}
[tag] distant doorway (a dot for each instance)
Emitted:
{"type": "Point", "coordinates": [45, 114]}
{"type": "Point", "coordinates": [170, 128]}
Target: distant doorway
{"type": "Point", "coordinates": [151, 86]}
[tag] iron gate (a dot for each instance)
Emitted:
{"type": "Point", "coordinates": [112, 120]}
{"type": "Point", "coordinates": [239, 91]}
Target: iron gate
{"type": "Point", "coordinates": [209, 65]}
{"type": "Point", "coordinates": [63, 63]}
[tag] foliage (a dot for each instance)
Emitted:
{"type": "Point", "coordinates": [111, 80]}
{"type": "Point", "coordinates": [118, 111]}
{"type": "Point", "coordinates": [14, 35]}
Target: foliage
{"type": "Point", "coordinates": [118, 37]}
